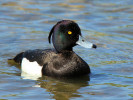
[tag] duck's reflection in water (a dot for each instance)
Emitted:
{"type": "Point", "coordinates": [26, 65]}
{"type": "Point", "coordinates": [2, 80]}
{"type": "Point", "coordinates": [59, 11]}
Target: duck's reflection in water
{"type": "Point", "coordinates": [63, 88]}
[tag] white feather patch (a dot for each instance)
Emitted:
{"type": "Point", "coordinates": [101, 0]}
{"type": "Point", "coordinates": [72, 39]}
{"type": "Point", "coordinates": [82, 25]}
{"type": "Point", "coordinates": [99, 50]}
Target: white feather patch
{"type": "Point", "coordinates": [30, 70]}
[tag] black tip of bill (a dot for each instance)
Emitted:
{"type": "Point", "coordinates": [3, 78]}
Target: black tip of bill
{"type": "Point", "coordinates": [94, 46]}
{"type": "Point", "coordinates": [82, 42]}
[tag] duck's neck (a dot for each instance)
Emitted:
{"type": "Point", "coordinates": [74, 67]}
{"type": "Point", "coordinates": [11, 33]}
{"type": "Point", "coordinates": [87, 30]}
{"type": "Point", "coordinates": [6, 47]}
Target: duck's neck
{"type": "Point", "coordinates": [67, 49]}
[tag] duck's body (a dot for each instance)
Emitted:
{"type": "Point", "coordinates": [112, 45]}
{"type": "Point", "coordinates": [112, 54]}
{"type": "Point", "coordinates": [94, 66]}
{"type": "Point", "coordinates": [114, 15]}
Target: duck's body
{"type": "Point", "coordinates": [48, 62]}
{"type": "Point", "coordinates": [60, 62]}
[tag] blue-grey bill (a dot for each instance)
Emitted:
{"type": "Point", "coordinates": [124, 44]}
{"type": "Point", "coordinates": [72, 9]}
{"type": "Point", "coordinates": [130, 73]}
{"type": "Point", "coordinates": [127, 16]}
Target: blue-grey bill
{"type": "Point", "coordinates": [82, 42]}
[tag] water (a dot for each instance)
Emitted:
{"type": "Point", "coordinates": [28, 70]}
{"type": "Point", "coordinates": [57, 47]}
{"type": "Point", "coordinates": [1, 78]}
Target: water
{"type": "Point", "coordinates": [25, 24]}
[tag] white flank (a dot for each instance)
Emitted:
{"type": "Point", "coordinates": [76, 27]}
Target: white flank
{"type": "Point", "coordinates": [30, 70]}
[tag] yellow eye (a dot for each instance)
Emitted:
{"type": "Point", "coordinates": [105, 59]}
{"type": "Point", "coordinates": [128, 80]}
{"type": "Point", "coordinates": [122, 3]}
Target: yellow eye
{"type": "Point", "coordinates": [69, 32]}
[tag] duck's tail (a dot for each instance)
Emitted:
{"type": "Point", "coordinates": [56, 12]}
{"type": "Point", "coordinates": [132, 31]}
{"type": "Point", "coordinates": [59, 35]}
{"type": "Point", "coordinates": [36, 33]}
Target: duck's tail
{"type": "Point", "coordinates": [18, 58]}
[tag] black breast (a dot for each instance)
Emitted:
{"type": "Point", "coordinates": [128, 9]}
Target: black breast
{"type": "Point", "coordinates": [64, 64]}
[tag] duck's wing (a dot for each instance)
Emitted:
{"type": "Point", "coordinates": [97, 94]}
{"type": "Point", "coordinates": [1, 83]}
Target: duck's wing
{"type": "Point", "coordinates": [37, 55]}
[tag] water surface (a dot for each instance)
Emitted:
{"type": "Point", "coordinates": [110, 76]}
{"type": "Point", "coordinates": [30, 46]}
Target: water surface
{"type": "Point", "coordinates": [25, 24]}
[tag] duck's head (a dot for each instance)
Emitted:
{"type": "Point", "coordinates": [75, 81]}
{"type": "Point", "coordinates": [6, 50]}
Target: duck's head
{"type": "Point", "coordinates": [66, 34]}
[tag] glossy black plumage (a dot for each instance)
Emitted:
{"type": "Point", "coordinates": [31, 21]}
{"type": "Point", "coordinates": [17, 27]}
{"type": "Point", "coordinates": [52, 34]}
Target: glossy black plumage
{"type": "Point", "coordinates": [61, 61]}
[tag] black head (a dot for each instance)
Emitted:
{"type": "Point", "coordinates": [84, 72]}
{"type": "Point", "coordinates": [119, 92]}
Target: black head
{"type": "Point", "coordinates": [64, 34]}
